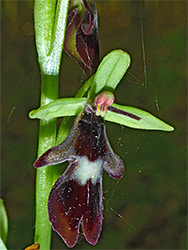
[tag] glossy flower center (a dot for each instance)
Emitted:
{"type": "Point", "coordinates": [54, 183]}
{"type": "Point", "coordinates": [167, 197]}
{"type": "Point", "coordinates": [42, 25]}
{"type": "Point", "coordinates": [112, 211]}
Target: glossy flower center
{"type": "Point", "coordinates": [87, 170]}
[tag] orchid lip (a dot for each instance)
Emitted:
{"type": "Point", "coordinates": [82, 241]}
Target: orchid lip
{"type": "Point", "coordinates": [76, 197]}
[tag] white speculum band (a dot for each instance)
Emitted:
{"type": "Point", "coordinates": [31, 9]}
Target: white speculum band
{"type": "Point", "coordinates": [86, 170]}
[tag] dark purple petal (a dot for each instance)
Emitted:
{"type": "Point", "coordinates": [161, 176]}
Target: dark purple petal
{"type": "Point", "coordinates": [92, 219]}
{"type": "Point", "coordinates": [66, 205]}
{"type": "Point", "coordinates": [113, 165]}
{"type": "Point", "coordinates": [55, 155]}
{"type": "Point", "coordinates": [59, 153]}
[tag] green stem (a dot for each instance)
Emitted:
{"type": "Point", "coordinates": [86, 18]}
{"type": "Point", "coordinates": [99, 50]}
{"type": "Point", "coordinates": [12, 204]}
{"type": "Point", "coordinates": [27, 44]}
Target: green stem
{"type": "Point", "coordinates": [50, 26]}
{"type": "Point", "coordinates": [44, 177]}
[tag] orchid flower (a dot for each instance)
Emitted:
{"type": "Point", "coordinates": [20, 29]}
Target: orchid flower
{"type": "Point", "coordinates": [76, 197]}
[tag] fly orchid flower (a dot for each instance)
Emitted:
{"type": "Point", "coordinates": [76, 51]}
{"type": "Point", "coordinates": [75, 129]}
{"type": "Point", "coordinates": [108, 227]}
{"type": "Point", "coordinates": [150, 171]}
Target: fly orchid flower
{"type": "Point", "coordinates": [76, 197]}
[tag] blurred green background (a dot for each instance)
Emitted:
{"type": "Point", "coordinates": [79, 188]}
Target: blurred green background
{"type": "Point", "coordinates": [147, 208]}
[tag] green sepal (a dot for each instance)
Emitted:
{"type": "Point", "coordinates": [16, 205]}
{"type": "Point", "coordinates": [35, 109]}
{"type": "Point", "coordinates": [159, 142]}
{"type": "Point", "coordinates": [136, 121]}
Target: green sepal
{"type": "Point", "coordinates": [85, 87]}
{"type": "Point", "coordinates": [58, 108]}
{"type": "Point", "coordinates": [147, 121]}
{"type": "Point", "coordinates": [110, 72]}
{"type": "Point", "coordinates": [3, 222]}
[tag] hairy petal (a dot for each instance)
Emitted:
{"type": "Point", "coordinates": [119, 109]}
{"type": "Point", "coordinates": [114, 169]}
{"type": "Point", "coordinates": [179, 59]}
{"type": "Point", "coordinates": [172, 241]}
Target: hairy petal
{"type": "Point", "coordinates": [61, 152]}
{"type": "Point", "coordinates": [55, 155]}
{"type": "Point", "coordinates": [113, 165]}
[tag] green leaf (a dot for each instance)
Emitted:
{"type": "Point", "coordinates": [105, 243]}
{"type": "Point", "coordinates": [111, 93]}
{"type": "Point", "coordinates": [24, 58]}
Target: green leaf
{"type": "Point", "coordinates": [58, 108]}
{"type": "Point", "coordinates": [44, 12]}
{"type": "Point", "coordinates": [146, 121]}
{"type": "Point", "coordinates": [3, 222]}
{"type": "Point", "coordinates": [110, 72]}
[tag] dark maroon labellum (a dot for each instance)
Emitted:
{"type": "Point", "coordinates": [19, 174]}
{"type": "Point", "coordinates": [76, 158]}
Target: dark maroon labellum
{"type": "Point", "coordinates": [76, 197]}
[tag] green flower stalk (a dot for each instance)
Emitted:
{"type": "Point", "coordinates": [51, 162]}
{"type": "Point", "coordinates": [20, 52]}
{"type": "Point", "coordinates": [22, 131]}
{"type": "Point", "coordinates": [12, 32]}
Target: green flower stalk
{"type": "Point", "coordinates": [50, 24]}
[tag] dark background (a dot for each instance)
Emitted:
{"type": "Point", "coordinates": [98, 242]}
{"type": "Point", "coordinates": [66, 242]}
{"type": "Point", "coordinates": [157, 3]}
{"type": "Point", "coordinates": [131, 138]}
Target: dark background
{"type": "Point", "coordinates": [146, 209]}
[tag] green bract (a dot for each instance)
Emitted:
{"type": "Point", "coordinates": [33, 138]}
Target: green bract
{"type": "Point", "coordinates": [85, 87]}
{"type": "Point", "coordinates": [108, 75]}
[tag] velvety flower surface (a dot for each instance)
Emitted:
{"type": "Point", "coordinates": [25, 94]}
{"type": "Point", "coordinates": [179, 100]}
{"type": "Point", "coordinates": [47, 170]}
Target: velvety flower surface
{"type": "Point", "coordinates": [76, 197]}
